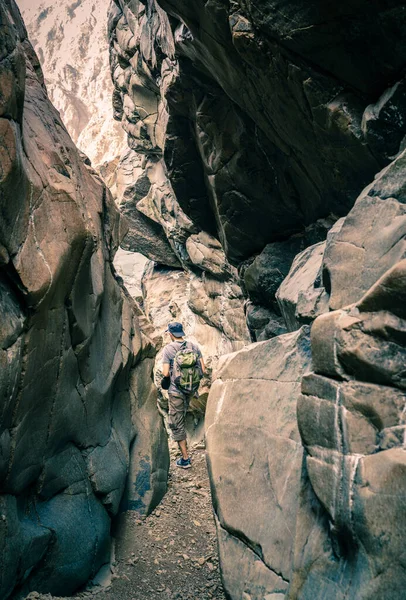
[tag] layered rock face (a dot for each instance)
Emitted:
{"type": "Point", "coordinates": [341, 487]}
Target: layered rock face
{"type": "Point", "coordinates": [77, 403]}
{"type": "Point", "coordinates": [343, 506]}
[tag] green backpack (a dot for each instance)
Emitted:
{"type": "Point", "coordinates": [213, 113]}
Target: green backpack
{"type": "Point", "coordinates": [186, 370]}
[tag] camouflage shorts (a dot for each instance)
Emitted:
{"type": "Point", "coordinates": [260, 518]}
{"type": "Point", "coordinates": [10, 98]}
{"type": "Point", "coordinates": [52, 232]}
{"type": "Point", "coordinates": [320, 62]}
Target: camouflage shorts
{"type": "Point", "coordinates": [178, 406]}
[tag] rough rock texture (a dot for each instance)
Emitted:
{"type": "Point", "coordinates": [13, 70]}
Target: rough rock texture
{"type": "Point", "coordinates": [255, 461]}
{"type": "Point", "coordinates": [301, 296]}
{"type": "Point", "coordinates": [71, 42]}
{"type": "Point", "coordinates": [371, 240]}
{"type": "Point", "coordinates": [228, 93]}
{"type": "Point", "coordinates": [254, 122]}
{"type": "Point", "coordinates": [74, 364]}
{"type": "Point", "coordinates": [229, 108]}
{"type": "Point", "coordinates": [346, 523]}
{"type": "Point", "coordinates": [130, 266]}
{"type": "Point", "coordinates": [352, 412]}
{"type": "Point", "coordinates": [167, 296]}
{"type": "Point", "coordinates": [277, 270]}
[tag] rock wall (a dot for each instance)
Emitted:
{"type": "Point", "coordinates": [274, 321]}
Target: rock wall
{"type": "Point", "coordinates": [345, 501]}
{"type": "Point", "coordinates": [351, 413]}
{"type": "Point", "coordinates": [75, 368]}
{"type": "Point", "coordinates": [253, 127]}
{"type": "Point", "coordinates": [240, 126]}
{"type": "Point", "coordinates": [70, 40]}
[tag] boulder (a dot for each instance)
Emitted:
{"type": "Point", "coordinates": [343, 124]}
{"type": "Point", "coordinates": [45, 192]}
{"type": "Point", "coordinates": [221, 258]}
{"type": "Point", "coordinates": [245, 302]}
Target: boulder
{"type": "Point", "coordinates": [371, 240]}
{"type": "Point", "coordinates": [383, 123]}
{"type": "Point", "coordinates": [206, 253]}
{"type": "Point", "coordinates": [219, 304]}
{"type": "Point", "coordinates": [255, 459]}
{"type": "Point", "coordinates": [301, 297]}
{"type": "Point", "coordinates": [264, 276]}
{"type": "Point", "coordinates": [145, 234]}
{"type": "Point", "coordinates": [353, 433]}
{"type": "Point", "coordinates": [130, 266]}
{"type": "Point", "coordinates": [263, 324]}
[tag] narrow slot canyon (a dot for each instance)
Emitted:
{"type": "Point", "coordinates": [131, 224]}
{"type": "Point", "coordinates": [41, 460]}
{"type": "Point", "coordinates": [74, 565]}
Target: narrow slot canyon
{"type": "Point", "coordinates": [233, 170]}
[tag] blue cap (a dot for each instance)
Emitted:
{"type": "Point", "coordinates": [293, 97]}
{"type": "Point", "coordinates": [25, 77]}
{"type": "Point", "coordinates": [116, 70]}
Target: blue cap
{"type": "Point", "coordinates": [176, 329]}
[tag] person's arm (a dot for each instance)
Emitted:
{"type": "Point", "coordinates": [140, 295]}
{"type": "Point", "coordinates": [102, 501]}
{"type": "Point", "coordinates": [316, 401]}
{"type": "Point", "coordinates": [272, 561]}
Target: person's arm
{"type": "Point", "coordinates": [165, 369]}
{"type": "Point", "coordinates": [166, 380]}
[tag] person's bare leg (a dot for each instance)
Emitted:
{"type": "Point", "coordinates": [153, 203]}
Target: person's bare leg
{"type": "Point", "coordinates": [183, 448]}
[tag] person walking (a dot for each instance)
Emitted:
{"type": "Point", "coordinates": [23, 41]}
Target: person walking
{"type": "Point", "coordinates": [182, 367]}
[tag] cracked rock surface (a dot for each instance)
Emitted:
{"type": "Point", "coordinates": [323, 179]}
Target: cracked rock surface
{"type": "Point", "coordinates": [75, 368]}
{"type": "Point", "coordinates": [259, 124]}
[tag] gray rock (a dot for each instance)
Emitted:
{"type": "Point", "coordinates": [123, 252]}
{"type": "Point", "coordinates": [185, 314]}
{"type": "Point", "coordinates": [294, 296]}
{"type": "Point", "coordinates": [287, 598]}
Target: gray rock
{"type": "Point", "coordinates": [371, 240]}
{"type": "Point", "coordinates": [220, 305]}
{"type": "Point", "coordinates": [351, 413]}
{"type": "Point", "coordinates": [71, 348]}
{"type": "Point", "coordinates": [149, 454]}
{"type": "Point", "coordinates": [254, 458]}
{"type": "Point", "coordinates": [145, 234]}
{"type": "Point", "coordinates": [197, 92]}
{"type": "Point", "coordinates": [264, 276]}
{"type": "Point", "coordinates": [243, 570]}
{"type": "Point", "coordinates": [206, 253]}
{"type": "Point", "coordinates": [263, 324]}
{"type": "Point", "coordinates": [383, 123]}
{"type": "Point", "coordinates": [301, 297]}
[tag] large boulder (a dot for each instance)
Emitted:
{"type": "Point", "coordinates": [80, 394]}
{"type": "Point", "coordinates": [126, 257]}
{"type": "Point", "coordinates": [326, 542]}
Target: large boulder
{"type": "Point", "coordinates": [301, 296]}
{"type": "Point", "coordinates": [255, 458]}
{"type": "Point", "coordinates": [353, 431]}
{"type": "Point", "coordinates": [207, 254]}
{"type": "Point", "coordinates": [145, 234]}
{"type": "Point", "coordinates": [71, 350]}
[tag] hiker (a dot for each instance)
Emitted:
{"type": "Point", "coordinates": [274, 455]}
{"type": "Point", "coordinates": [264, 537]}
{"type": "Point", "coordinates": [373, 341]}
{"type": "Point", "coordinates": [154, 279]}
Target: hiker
{"type": "Point", "coordinates": [182, 368]}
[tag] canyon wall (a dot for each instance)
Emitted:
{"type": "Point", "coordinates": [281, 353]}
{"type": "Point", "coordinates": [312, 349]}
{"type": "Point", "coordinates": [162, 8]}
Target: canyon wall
{"type": "Point", "coordinates": [70, 40]}
{"type": "Point", "coordinates": [253, 127]}
{"type": "Point", "coordinates": [78, 406]}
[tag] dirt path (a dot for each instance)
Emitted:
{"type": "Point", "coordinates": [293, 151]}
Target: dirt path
{"type": "Point", "coordinates": [172, 554]}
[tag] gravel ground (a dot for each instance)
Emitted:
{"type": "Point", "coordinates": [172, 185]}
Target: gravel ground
{"type": "Point", "coordinates": [172, 554]}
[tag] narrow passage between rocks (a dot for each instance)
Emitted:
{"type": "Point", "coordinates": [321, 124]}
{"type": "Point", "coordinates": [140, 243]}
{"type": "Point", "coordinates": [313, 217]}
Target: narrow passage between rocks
{"type": "Point", "coordinates": [172, 553]}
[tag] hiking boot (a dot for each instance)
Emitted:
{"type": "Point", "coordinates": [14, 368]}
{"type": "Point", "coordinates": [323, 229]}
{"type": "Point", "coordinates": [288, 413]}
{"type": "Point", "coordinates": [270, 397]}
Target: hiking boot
{"type": "Point", "coordinates": [184, 463]}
